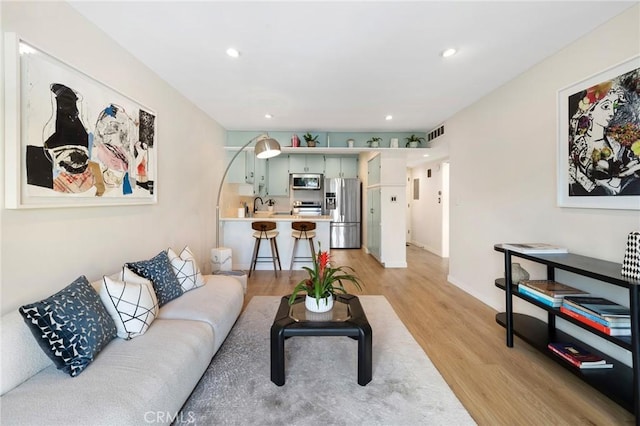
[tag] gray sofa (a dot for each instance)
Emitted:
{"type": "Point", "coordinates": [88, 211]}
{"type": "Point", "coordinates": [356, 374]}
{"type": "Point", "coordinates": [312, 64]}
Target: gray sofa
{"type": "Point", "coordinates": [145, 380]}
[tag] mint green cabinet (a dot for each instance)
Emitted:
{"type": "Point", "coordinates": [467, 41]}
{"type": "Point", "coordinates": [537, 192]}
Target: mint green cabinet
{"type": "Point", "coordinates": [341, 166]}
{"type": "Point", "coordinates": [373, 170]}
{"type": "Point", "coordinates": [260, 177]}
{"type": "Point", "coordinates": [236, 172]}
{"type": "Point", "coordinates": [278, 176]}
{"type": "Point", "coordinates": [374, 230]}
{"type": "Point", "coordinates": [306, 163]}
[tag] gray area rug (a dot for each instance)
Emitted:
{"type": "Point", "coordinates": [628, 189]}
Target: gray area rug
{"type": "Point", "coordinates": [321, 378]}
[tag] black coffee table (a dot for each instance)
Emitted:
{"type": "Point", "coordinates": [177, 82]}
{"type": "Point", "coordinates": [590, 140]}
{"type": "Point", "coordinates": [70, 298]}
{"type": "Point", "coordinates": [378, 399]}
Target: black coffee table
{"type": "Point", "coordinates": [345, 319]}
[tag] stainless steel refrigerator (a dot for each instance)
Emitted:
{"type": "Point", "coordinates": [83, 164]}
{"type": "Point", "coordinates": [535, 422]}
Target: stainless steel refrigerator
{"type": "Point", "coordinates": [343, 203]}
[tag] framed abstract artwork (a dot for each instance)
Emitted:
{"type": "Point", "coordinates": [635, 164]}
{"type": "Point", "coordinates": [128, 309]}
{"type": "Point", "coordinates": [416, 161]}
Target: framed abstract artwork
{"type": "Point", "coordinates": [70, 140]}
{"type": "Point", "coordinates": [599, 140]}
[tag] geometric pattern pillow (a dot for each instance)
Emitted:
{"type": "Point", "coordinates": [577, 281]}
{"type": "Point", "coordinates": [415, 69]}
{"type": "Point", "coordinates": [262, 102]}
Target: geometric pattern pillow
{"type": "Point", "coordinates": [159, 271]}
{"type": "Point", "coordinates": [71, 326]}
{"type": "Point", "coordinates": [132, 305]}
{"type": "Point", "coordinates": [186, 269]}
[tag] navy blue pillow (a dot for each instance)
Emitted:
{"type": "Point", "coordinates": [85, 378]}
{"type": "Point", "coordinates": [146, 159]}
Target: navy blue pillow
{"type": "Point", "coordinates": [159, 271]}
{"type": "Point", "coordinates": [72, 326]}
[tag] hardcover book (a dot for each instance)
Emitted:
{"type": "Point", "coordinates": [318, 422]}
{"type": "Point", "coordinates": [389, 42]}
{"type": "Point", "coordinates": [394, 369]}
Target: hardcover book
{"type": "Point", "coordinates": [611, 322]}
{"type": "Point", "coordinates": [534, 248]}
{"type": "Point", "coordinates": [553, 288]}
{"type": "Point", "coordinates": [599, 306]}
{"type": "Point", "coordinates": [540, 297]}
{"type": "Point", "coordinates": [578, 356]}
{"type": "Point", "coordinates": [619, 331]}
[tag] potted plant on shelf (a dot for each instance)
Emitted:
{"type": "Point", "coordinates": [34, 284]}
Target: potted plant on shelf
{"type": "Point", "coordinates": [311, 140]}
{"type": "Point", "coordinates": [413, 141]}
{"type": "Point", "coordinates": [270, 203]}
{"type": "Point", "coordinates": [374, 142]}
{"type": "Point", "coordinates": [323, 283]}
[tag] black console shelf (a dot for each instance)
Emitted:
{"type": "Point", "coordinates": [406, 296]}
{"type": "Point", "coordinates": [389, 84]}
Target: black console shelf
{"type": "Point", "coordinates": [620, 383]}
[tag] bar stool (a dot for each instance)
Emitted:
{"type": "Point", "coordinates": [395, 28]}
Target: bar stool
{"type": "Point", "coordinates": [265, 230]}
{"type": "Point", "coordinates": [302, 231]}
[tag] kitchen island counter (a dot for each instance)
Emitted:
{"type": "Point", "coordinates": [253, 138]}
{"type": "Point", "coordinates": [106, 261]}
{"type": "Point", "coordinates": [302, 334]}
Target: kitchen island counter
{"type": "Point", "coordinates": [277, 217]}
{"type": "Point", "coordinates": [236, 234]}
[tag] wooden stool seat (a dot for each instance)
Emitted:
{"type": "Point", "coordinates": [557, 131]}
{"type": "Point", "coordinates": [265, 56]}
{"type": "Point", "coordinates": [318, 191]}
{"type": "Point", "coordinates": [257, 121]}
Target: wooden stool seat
{"type": "Point", "coordinates": [265, 230]}
{"type": "Point", "coordinates": [302, 230]}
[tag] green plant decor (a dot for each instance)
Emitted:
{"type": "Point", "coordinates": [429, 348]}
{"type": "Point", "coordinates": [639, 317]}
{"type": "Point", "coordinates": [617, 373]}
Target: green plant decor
{"type": "Point", "coordinates": [325, 280]}
{"type": "Point", "coordinates": [271, 202]}
{"type": "Point", "coordinates": [414, 139]}
{"type": "Point", "coordinates": [374, 141]}
{"type": "Point", "coordinates": [308, 137]}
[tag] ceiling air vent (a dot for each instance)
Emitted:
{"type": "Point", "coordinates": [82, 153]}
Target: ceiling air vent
{"type": "Point", "coordinates": [435, 133]}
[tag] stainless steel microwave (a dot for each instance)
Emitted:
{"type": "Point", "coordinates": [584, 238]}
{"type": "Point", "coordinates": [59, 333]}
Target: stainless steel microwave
{"type": "Point", "coordinates": [306, 181]}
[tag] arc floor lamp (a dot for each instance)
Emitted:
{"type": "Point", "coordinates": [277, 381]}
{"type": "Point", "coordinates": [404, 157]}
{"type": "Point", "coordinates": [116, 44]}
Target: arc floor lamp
{"type": "Point", "coordinates": [266, 147]}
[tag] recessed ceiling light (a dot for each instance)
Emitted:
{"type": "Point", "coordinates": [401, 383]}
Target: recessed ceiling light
{"type": "Point", "coordinates": [268, 115]}
{"type": "Point", "coordinates": [233, 52]}
{"type": "Point", "coordinates": [388, 117]}
{"type": "Point", "coordinates": [425, 155]}
{"type": "Point", "coordinates": [449, 52]}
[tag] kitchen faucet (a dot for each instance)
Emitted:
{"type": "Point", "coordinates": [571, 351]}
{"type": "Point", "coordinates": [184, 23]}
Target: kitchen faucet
{"type": "Point", "coordinates": [255, 207]}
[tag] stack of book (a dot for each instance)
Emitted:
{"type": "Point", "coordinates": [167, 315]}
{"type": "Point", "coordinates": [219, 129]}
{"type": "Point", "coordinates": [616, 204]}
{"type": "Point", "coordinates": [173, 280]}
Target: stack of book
{"type": "Point", "coordinates": [548, 292]}
{"type": "Point", "coordinates": [600, 313]}
{"type": "Point", "coordinates": [578, 356]}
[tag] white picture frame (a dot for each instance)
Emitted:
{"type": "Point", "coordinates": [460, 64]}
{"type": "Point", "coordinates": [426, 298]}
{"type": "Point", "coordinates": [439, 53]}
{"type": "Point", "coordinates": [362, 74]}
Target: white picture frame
{"type": "Point", "coordinates": [70, 140]}
{"type": "Point", "coordinates": [586, 175]}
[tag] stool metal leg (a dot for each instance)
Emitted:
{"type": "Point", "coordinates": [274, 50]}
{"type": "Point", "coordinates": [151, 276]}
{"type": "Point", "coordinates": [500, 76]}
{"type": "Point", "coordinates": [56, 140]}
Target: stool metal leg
{"type": "Point", "coordinates": [254, 260]}
{"type": "Point", "coordinates": [274, 256]}
{"type": "Point", "coordinates": [275, 244]}
{"type": "Point", "coordinates": [293, 254]}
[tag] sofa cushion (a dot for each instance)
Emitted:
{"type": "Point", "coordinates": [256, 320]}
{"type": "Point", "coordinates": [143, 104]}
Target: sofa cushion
{"type": "Point", "coordinates": [132, 304]}
{"type": "Point", "coordinates": [71, 326]}
{"type": "Point", "coordinates": [20, 353]}
{"type": "Point", "coordinates": [218, 303]}
{"type": "Point", "coordinates": [186, 269]}
{"type": "Point", "coordinates": [133, 382]}
{"type": "Point", "coordinates": [159, 271]}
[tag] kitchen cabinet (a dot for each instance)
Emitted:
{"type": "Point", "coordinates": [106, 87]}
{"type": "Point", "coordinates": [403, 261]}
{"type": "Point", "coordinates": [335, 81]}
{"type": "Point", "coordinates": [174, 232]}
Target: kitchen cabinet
{"type": "Point", "coordinates": [373, 169]}
{"type": "Point", "coordinates": [236, 172]}
{"type": "Point", "coordinates": [260, 177]}
{"type": "Point", "coordinates": [374, 231]}
{"type": "Point", "coordinates": [277, 176]}
{"type": "Point", "coordinates": [341, 166]}
{"type": "Point", "coordinates": [306, 163]}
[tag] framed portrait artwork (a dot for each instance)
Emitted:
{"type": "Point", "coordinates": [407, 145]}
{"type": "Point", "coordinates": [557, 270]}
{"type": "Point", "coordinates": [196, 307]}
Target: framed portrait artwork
{"type": "Point", "coordinates": [599, 140]}
{"type": "Point", "coordinates": [70, 140]}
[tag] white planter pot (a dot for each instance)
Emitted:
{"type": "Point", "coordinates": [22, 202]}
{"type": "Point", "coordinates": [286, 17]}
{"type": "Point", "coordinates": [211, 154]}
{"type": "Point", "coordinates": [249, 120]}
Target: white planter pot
{"type": "Point", "coordinates": [321, 305]}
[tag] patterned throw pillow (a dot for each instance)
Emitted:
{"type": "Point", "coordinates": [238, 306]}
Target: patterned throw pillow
{"type": "Point", "coordinates": [72, 326]}
{"type": "Point", "coordinates": [131, 302]}
{"type": "Point", "coordinates": [161, 274]}
{"type": "Point", "coordinates": [186, 269]}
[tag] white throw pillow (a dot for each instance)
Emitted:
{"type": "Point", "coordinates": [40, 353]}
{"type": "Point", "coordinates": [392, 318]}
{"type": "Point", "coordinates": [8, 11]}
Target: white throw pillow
{"type": "Point", "coordinates": [131, 302]}
{"type": "Point", "coordinates": [186, 269]}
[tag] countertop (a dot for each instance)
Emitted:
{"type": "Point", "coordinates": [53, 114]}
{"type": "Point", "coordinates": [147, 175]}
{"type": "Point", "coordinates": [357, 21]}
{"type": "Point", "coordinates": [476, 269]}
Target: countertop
{"type": "Point", "coordinates": [277, 217]}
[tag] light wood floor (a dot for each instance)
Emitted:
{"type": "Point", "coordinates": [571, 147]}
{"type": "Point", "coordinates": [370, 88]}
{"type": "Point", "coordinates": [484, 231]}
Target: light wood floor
{"type": "Point", "coordinates": [496, 384]}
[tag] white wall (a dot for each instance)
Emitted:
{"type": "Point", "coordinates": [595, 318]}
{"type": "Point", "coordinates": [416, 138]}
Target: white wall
{"type": "Point", "coordinates": [428, 212]}
{"type": "Point", "coordinates": [503, 167]}
{"type": "Point", "coordinates": [45, 249]}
